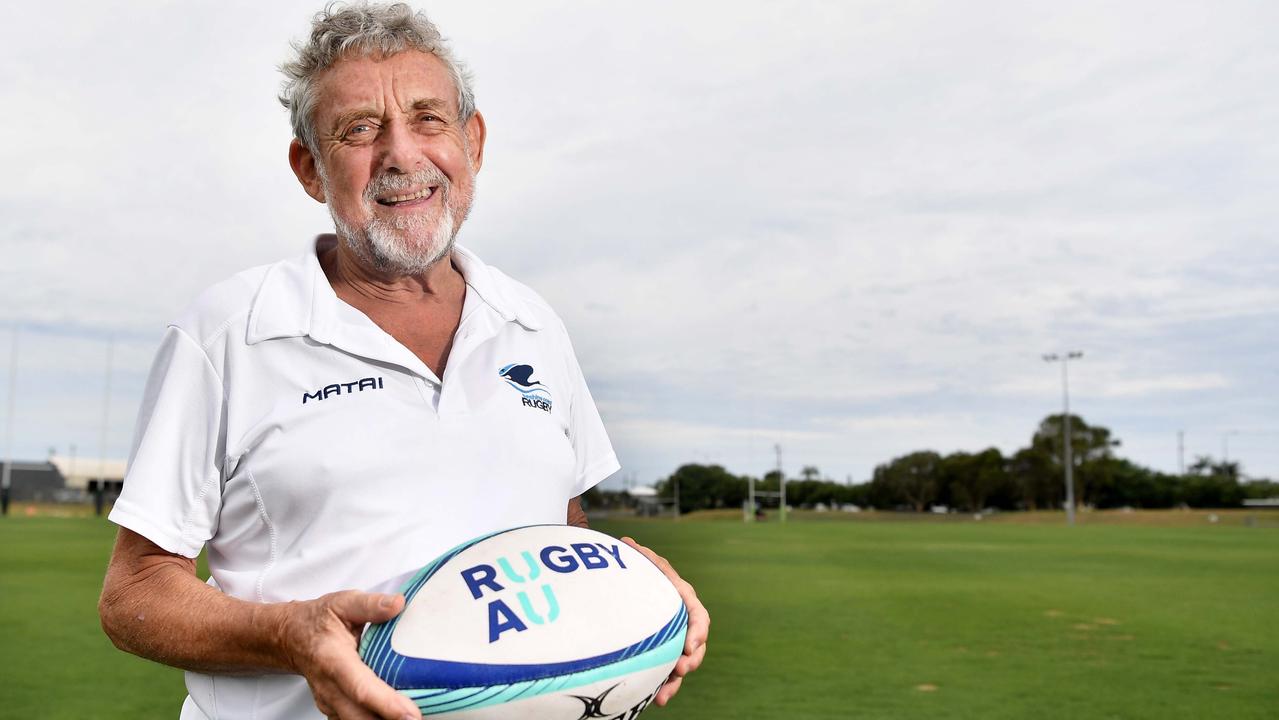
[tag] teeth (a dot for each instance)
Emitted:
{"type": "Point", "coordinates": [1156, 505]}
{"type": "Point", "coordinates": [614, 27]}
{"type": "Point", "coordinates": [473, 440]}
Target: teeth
{"type": "Point", "coordinates": [405, 198]}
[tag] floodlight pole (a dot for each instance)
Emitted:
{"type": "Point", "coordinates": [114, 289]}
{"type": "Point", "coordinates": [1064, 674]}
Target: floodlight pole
{"type": "Point", "coordinates": [1065, 359]}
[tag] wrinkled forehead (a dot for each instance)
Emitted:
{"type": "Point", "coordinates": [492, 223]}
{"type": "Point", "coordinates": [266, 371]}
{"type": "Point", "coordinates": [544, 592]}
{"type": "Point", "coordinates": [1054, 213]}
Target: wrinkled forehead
{"type": "Point", "coordinates": [384, 84]}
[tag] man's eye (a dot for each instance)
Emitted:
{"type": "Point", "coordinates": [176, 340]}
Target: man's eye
{"type": "Point", "coordinates": [429, 118]}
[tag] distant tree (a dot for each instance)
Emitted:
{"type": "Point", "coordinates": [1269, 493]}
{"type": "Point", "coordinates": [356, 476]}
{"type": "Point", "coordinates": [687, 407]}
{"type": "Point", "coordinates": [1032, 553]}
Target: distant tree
{"type": "Point", "coordinates": [971, 479]}
{"type": "Point", "coordinates": [1038, 478]}
{"type": "Point", "coordinates": [859, 495]}
{"type": "Point", "coordinates": [1090, 446]}
{"type": "Point", "coordinates": [1031, 478]}
{"type": "Point", "coordinates": [1131, 485]}
{"type": "Point", "coordinates": [1212, 484]}
{"type": "Point", "coordinates": [1204, 465]}
{"type": "Point", "coordinates": [771, 482]}
{"type": "Point", "coordinates": [1261, 488]}
{"type": "Point", "coordinates": [809, 493]}
{"type": "Point", "coordinates": [912, 480]}
{"type": "Point", "coordinates": [600, 499]}
{"type": "Point", "coordinates": [702, 487]}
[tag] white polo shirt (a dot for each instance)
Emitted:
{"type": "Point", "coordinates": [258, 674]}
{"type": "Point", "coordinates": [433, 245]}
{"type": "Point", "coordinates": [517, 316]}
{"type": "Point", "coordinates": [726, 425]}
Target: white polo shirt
{"type": "Point", "coordinates": [312, 452]}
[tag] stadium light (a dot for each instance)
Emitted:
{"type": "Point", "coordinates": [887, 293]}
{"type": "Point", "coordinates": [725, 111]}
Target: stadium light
{"type": "Point", "coordinates": [1064, 359]}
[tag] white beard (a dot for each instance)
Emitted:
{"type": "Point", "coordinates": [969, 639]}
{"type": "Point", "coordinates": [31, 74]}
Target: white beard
{"type": "Point", "coordinates": [410, 244]}
{"type": "Point", "coordinates": [402, 247]}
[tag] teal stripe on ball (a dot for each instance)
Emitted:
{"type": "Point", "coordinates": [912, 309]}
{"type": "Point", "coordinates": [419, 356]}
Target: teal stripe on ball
{"type": "Point", "coordinates": [435, 702]}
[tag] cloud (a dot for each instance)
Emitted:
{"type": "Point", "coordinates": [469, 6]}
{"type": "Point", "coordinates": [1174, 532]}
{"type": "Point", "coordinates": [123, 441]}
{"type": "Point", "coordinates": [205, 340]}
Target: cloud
{"type": "Point", "coordinates": [1171, 383]}
{"type": "Point", "coordinates": [850, 229]}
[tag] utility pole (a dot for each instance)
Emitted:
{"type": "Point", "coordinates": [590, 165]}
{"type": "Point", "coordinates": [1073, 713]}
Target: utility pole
{"type": "Point", "coordinates": [781, 486]}
{"type": "Point", "coordinates": [1065, 358]}
{"type": "Point", "coordinates": [1181, 452]}
{"type": "Point", "coordinates": [1225, 446]}
{"type": "Point", "coordinates": [6, 477]}
{"type": "Point", "coordinates": [676, 481]}
{"type": "Point", "coordinates": [100, 500]}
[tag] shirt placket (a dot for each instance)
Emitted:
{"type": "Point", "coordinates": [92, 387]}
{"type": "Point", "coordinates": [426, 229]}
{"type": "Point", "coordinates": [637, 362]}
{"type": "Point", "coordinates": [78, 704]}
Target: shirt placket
{"type": "Point", "coordinates": [476, 329]}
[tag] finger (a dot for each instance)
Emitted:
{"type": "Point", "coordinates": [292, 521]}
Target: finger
{"type": "Point", "coordinates": [357, 608]}
{"type": "Point", "coordinates": [667, 691]}
{"type": "Point", "coordinates": [699, 621]}
{"type": "Point", "coordinates": [347, 710]}
{"type": "Point", "coordinates": [334, 705]}
{"type": "Point", "coordinates": [360, 685]}
{"type": "Point", "coordinates": [690, 662]}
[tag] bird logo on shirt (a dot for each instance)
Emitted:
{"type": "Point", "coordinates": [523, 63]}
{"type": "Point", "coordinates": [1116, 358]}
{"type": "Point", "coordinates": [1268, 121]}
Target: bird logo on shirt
{"type": "Point", "coordinates": [520, 377]}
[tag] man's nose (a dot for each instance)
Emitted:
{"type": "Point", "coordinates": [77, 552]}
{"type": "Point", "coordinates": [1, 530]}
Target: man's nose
{"type": "Point", "coordinates": [400, 151]}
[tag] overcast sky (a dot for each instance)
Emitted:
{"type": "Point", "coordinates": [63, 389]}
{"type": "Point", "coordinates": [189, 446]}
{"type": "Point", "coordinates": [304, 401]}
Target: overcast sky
{"type": "Point", "coordinates": [848, 228]}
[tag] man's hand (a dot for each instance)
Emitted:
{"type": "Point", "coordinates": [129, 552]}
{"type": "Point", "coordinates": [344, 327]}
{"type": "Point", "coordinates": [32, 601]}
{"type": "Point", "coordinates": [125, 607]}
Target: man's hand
{"type": "Point", "coordinates": [320, 639]}
{"type": "Point", "coordinates": [699, 625]}
{"type": "Point", "coordinates": [153, 605]}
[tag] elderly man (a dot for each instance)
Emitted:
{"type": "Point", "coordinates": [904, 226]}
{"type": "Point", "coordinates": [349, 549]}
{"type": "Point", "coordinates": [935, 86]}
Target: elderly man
{"type": "Point", "coordinates": [326, 425]}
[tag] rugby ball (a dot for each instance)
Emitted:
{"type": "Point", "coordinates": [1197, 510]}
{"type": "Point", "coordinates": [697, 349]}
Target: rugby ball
{"type": "Point", "coordinates": [547, 621]}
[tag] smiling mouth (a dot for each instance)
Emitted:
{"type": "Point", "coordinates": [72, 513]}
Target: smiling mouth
{"type": "Point", "coordinates": [397, 200]}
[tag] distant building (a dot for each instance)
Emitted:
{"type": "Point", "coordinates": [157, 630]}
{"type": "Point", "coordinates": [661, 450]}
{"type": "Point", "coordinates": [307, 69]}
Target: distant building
{"type": "Point", "coordinates": [647, 501]}
{"type": "Point", "coordinates": [34, 482]}
{"type": "Point", "coordinates": [81, 471]}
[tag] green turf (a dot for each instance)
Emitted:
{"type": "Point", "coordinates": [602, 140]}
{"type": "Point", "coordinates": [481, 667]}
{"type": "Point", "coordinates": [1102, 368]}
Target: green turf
{"type": "Point", "coordinates": [815, 620]}
{"type": "Point", "coordinates": [899, 620]}
{"type": "Point", "coordinates": [54, 659]}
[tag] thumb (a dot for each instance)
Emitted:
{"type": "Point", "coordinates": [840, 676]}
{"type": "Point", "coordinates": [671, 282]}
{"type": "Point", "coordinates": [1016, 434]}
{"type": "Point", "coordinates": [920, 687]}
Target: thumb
{"type": "Point", "coordinates": [359, 607]}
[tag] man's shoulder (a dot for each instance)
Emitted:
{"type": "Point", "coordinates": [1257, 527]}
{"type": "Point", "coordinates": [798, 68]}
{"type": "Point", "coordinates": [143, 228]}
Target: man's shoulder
{"type": "Point", "coordinates": [509, 295]}
{"type": "Point", "coordinates": [527, 296]}
{"type": "Point", "coordinates": [223, 305]}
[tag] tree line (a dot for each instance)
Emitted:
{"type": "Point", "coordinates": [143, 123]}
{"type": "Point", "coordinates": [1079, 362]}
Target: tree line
{"type": "Point", "coordinates": [1031, 478]}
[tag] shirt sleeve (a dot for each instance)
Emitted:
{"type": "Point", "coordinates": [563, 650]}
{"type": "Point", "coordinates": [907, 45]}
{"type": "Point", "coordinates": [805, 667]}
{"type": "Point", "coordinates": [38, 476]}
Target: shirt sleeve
{"type": "Point", "coordinates": [595, 459]}
{"type": "Point", "coordinates": [172, 487]}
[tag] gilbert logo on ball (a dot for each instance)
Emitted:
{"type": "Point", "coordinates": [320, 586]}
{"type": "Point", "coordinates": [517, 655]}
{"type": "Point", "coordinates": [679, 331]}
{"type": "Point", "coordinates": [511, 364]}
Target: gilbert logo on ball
{"type": "Point", "coordinates": [548, 621]}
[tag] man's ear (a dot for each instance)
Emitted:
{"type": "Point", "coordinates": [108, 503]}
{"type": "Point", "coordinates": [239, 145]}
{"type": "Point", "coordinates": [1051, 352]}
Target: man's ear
{"type": "Point", "coordinates": [304, 167]}
{"type": "Point", "coordinates": [475, 134]}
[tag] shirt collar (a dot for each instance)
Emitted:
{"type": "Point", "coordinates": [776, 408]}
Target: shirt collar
{"type": "Point", "coordinates": [295, 298]}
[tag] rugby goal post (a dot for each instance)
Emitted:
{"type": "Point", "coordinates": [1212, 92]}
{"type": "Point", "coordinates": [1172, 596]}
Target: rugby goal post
{"type": "Point", "coordinates": [756, 498]}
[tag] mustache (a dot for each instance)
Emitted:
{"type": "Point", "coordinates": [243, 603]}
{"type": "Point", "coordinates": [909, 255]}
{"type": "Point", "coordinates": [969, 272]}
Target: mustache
{"type": "Point", "coordinates": [386, 183]}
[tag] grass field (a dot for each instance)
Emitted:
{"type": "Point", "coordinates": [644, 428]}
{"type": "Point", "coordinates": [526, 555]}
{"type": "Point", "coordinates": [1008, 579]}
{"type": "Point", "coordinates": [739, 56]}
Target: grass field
{"type": "Point", "coordinates": [816, 620]}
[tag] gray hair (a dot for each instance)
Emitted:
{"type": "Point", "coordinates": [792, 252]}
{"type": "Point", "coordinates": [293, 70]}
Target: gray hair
{"type": "Point", "coordinates": [362, 29]}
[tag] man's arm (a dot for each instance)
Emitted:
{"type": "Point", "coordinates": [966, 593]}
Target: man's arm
{"type": "Point", "coordinates": [576, 515]}
{"type": "Point", "coordinates": [153, 605]}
